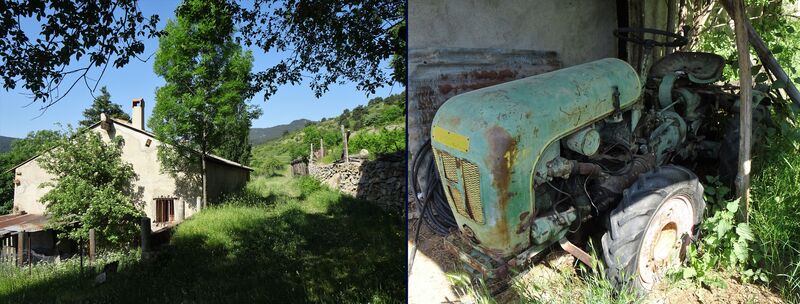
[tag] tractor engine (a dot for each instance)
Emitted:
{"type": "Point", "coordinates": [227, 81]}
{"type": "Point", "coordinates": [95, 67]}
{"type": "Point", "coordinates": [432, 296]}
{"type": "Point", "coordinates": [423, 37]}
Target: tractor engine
{"type": "Point", "coordinates": [524, 163]}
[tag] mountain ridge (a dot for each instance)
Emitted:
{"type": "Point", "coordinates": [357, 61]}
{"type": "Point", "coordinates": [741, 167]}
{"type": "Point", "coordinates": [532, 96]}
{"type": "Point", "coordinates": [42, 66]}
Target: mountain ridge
{"type": "Point", "coordinates": [261, 135]}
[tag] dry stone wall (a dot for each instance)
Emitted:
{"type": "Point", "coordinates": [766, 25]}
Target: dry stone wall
{"type": "Point", "coordinates": [381, 181]}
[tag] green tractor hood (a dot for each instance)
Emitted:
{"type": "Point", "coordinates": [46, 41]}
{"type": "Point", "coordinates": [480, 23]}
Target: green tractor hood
{"type": "Point", "coordinates": [488, 142]}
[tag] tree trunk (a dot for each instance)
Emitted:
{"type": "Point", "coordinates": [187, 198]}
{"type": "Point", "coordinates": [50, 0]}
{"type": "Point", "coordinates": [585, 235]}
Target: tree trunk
{"type": "Point", "coordinates": [745, 105]}
{"type": "Point", "coordinates": [203, 163]}
{"type": "Point", "coordinates": [205, 192]}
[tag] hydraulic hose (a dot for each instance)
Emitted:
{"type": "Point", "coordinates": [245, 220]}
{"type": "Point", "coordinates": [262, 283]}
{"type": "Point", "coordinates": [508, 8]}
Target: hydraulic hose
{"type": "Point", "coordinates": [435, 210]}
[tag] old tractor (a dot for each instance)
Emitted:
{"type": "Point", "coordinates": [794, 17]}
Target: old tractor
{"type": "Point", "coordinates": [595, 148]}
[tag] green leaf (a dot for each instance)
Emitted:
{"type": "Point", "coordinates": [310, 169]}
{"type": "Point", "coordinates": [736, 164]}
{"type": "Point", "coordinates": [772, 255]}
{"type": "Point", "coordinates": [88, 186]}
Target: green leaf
{"type": "Point", "coordinates": [723, 228]}
{"type": "Point", "coordinates": [733, 206]}
{"type": "Point", "coordinates": [755, 69]}
{"type": "Point", "coordinates": [740, 250]}
{"type": "Point", "coordinates": [778, 84]}
{"type": "Point", "coordinates": [763, 277]}
{"type": "Point", "coordinates": [689, 272]}
{"type": "Point", "coordinates": [743, 230]}
{"type": "Point", "coordinates": [761, 77]}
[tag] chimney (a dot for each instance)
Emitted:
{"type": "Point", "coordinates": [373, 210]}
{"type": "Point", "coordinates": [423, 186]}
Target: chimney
{"type": "Point", "coordinates": [137, 117]}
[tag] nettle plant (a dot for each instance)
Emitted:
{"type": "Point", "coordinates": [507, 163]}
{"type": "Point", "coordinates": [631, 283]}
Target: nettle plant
{"type": "Point", "coordinates": [724, 241]}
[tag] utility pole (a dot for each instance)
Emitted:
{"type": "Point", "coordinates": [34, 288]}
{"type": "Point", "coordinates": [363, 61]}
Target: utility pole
{"type": "Point", "coordinates": [321, 149]}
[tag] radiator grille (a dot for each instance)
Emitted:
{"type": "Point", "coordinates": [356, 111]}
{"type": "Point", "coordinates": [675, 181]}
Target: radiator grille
{"type": "Point", "coordinates": [450, 167]}
{"type": "Point", "coordinates": [458, 201]}
{"type": "Point", "coordinates": [466, 202]}
{"type": "Point", "coordinates": [472, 187]}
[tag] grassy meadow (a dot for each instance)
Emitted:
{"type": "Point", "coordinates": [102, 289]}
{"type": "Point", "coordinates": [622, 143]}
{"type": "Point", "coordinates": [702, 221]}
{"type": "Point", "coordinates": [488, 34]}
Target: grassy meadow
{"type": "Point", "coordinates": [283, 240]}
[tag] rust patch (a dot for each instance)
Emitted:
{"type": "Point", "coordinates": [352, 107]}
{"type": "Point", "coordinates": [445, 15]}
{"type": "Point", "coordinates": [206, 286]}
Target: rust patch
{"type": "Point", "coordinates": [523, 215]}
{"type": "Point", "coordinates": [500, 160]}
{"type": "Point", "coordinates": [445, 88]}
{"type": "Point", "coordinates": [525, 222]}
{"type": "Point", "coordinates": [497, 75]}
{"type": "Point", "coordinates": [454, 121]}
{"type": "Point", "coordinates": [524, 226]}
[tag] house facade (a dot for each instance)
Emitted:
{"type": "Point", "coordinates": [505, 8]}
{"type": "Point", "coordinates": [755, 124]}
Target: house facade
{"type": "Point", "coordinates": [166, 199]}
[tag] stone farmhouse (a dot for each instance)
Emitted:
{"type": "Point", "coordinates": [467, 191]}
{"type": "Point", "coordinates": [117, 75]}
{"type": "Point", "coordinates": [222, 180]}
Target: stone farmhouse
{"type": "Point", "coordinates": [166, 200]}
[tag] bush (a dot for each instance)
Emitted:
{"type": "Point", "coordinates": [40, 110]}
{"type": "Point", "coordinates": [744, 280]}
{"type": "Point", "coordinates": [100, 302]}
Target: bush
{"type": "Point", "coordinates": [308, 185]}
{"type": "Point", "coordinates": [271, 166]}
{"type": "Point", "coordinates": [383, 142]}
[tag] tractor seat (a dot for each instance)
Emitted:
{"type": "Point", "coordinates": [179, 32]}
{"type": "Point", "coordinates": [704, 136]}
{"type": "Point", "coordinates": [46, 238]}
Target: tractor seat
{"type": "Point", "coordinates": [698, 67]}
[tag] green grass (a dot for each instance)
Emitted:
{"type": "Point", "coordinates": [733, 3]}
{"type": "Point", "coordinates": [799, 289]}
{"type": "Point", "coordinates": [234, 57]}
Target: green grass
{"type": "Point", "coordinates": [775, 214]}
{"type": "Point", "coordinates": [283, 240]}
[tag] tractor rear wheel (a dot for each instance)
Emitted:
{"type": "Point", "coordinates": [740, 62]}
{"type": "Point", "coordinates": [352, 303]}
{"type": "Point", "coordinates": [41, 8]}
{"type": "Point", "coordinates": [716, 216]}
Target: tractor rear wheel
{"type": "Point", "coordinates": [651, 227]}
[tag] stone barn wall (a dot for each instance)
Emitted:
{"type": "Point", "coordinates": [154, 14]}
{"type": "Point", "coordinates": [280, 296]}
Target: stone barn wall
{"type": "Point", "coordinates": [381, 181]}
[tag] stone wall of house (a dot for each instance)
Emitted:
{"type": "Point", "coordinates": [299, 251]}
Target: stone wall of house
{"type": "Point", "coordinates": [381, 181]}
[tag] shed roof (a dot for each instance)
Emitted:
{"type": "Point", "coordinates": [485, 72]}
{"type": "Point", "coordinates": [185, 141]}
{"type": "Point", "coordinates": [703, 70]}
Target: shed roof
{"type": "Point", "coordinates": [13, 223]}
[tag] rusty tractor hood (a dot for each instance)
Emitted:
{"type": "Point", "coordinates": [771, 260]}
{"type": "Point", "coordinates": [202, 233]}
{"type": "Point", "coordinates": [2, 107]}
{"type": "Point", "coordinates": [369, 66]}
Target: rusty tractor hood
{"type": "Point", "coordinates": [487, 143]}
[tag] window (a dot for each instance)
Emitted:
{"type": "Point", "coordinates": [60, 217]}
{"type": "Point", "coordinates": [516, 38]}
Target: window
{"type": "Point", "coordinates": [165, 210]}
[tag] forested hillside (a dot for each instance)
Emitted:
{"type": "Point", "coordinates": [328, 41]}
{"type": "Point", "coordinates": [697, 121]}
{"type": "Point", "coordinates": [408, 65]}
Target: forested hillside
{"type": "Point", "coordinates": [5, 143]}
{"type": "Point", "coordinates": [378, 127]}
{"type": "Point", "coordinates": [261, 135]}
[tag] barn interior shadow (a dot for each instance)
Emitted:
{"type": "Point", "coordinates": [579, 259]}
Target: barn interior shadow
{"type": "Point", "coordinates": [352, 252]}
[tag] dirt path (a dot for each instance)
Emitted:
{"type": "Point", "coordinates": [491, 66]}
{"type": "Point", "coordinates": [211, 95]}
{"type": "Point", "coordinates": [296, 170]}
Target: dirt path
{"type": "Point", "coordinates": [427, 282]}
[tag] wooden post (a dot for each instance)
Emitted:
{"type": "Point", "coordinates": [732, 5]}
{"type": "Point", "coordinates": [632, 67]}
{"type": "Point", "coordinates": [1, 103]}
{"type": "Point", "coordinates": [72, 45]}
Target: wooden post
{"type": "Point", "coordinates": [80, 244]}
{"type": "Point", "coordinates": [311, 154]}
{"type": "Point", "coordinates": [21, 248]}
{"type": "Point", "coordinates": [745, 106]}
{"type": "Point", "coordinates": [30, 260]}
{"type": "Point", "coordinates": [767, 58]}
{"type": "Point", "coordinates": [344, 141]}
{"type": "Point", "coordinates": [321, 149]}
{"type": "Point", "coordinates": [91, 246]}
{"type": "Point", "coordinates": [145, 236]}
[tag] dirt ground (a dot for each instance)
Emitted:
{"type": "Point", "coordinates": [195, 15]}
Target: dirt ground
{"type": "Point", "coordinates": [428, 283]}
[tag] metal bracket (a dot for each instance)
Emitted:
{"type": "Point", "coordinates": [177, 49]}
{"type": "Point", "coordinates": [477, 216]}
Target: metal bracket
{"type": "Point", "coordinates": [577, 252]}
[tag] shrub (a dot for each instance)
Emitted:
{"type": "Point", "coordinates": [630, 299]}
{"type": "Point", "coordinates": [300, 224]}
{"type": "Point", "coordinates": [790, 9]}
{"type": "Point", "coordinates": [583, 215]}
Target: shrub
{"type": "Point", "coordinates": [271, 166]}
{"type": "Point", "coordinates": [383, 142]}
{"type": "Point", "coordinates": [308, 185]}
{"type": "Point", "coordinates": [92, 186]}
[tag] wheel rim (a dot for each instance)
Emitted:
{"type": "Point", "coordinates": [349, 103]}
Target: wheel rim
{"type": "Point", "coordinates": [663, 239]}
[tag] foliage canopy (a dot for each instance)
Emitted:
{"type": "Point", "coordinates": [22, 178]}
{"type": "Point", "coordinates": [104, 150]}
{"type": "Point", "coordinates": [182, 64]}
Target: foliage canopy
{"type": "Point", "coordinates": [102, 104]}
{"type": "Point", "coordinates": [93, 187]}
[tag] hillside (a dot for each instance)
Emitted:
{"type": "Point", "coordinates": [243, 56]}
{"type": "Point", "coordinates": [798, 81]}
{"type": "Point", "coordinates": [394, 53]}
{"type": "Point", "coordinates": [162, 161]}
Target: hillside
{"type": "Point", "coordinates": [378, 127]}
{"type": "Point", "coordinates": [261, 135]}
{"type": "Point", "coordinates": [5, 143]}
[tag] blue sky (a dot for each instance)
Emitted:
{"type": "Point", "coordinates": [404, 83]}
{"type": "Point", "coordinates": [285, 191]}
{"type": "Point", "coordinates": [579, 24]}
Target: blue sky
{"type": "Point", "coordinates": [137, 79]}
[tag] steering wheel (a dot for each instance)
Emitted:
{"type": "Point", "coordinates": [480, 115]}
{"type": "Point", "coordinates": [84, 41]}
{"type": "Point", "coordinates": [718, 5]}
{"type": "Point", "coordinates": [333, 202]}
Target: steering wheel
{"type": "Point", "coordinates": [677, 39]}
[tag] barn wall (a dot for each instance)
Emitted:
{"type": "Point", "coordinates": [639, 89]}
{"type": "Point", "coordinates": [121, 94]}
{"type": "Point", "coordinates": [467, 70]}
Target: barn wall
{"type": "Point", "coordinates": [224, 179]}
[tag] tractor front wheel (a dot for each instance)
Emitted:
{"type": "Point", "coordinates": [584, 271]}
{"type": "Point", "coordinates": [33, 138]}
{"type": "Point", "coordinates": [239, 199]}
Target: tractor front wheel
{"type": "Point", "coordinates": [651, 227]}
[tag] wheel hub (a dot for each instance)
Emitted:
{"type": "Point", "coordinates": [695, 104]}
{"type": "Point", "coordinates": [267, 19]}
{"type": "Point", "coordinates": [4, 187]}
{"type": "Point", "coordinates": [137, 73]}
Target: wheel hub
{"type": "Point", "coordinates": [663, 239]}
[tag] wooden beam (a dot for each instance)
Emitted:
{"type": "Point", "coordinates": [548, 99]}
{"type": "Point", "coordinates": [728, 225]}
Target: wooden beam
{"type": "Point", "coordinates": [92, 243]}
{"type": "Point", "coordinates": [745, 105]}
{"type": "Point", "coordinates": [764, 54]}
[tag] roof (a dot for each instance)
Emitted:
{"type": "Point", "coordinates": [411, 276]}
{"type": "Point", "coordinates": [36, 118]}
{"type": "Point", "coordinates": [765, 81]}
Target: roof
{"type": "Point", "coordinates": [22, 222]}
{"type": "Point", "coordinates": [151, 135]}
